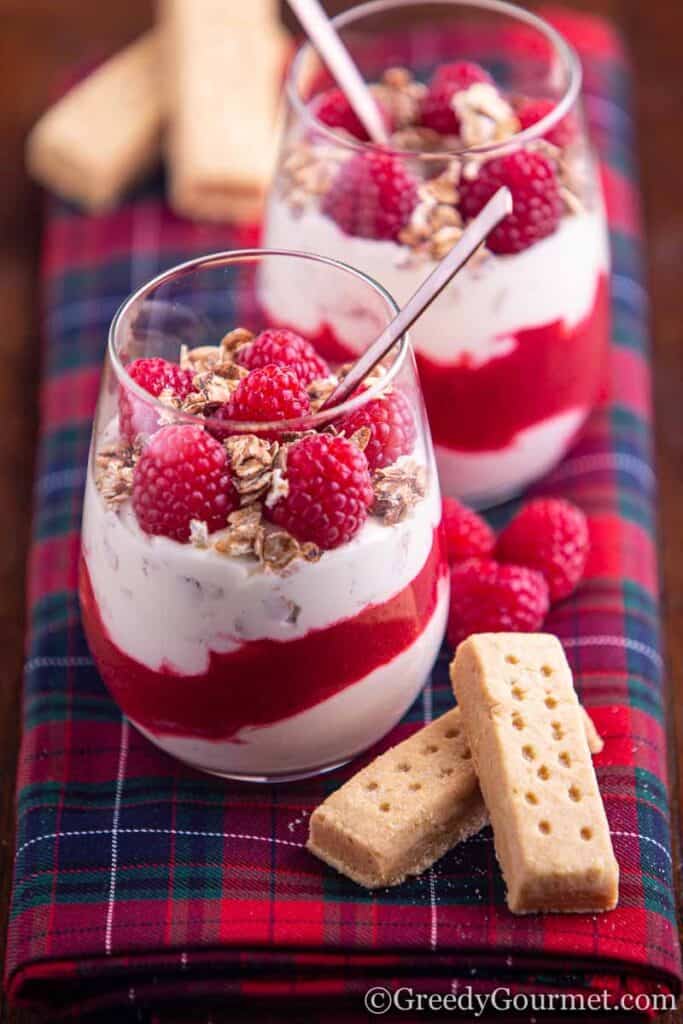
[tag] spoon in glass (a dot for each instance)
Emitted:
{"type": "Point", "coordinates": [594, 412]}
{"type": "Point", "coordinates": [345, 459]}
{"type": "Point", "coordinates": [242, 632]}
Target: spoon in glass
{"type": "Point", "coordinates": [476, 232]}
{"type": "Point", "coordinates": [341, 66]}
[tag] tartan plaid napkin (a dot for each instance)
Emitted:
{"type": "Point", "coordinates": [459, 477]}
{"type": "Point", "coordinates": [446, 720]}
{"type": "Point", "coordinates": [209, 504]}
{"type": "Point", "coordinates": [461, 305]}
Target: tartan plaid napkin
{"type": "Point", "coordinates": [139, 883]}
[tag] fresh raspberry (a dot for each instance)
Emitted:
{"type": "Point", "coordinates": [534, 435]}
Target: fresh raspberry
{"type": "Point", "coordinates": [551, 536]}
{"type": "Point", "coordinates": [154, 375]}
{"type": "Point", "coordinates": [268, 394]}
{"type": "Point", "coordinates": [284, 348]}
{"type": "Point", "coordinates": [530, 112]}
{"type": "Point", "coordinates": [334, 110]}
{"type": "Point", "coordinates": [182, 474]}
{"type": "Point", "coordinates": [448, 80]}
{"type": "Point", "coordinates": [535, 191]}
{"type": "Point", "coordinates": [330, 491]}
{"type": "Point", "coordinates": [467, 534]}
{"type": "Point", "coordinates": [487, 597]}
{"type": "Point", "coordinates": [392, 428]}
{"type": "Point", "coordinates": [372, 195]}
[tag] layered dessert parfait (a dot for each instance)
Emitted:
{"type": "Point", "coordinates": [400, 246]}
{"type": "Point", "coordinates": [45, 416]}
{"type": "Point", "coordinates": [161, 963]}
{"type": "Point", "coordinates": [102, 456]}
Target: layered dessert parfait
{"type": "Point", "coordinates": [262, 584]}
{"type": "Point", "coordinates": [511, 355]}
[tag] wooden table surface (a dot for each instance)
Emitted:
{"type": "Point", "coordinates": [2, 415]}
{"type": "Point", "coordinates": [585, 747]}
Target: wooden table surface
{"type": "Point", "coordinates": [39, 39]}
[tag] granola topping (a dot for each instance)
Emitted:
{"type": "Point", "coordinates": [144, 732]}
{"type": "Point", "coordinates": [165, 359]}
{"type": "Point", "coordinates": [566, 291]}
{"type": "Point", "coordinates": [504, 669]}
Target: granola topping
{"type": "Point", "coordinates": [275, 549]}
{"type": "Point", "coordinates": [114, 467]}
{"type": "Point", "coordinates": [397, 489]}
{"type": "Point", "coordinates": [485, 116]}
{"type": "Point", "coordinates": [400, 95]}
{"type": "Point", "coordinates": [252, 460]}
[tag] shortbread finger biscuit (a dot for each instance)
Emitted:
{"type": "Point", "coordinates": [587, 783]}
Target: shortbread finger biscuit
{"type": "Point", "coordinates": [224, 72]}
{"type": "Point", "coordinates": [106, 132]}
{"type": "Point", "coordinates": [405, 810]}
{"type": "Point", "coordinates": [524, 725]}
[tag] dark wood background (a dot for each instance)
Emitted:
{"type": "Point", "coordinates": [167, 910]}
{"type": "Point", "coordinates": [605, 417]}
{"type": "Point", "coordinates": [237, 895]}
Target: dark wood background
{"type": "Point", "coordinates": [39, 39]}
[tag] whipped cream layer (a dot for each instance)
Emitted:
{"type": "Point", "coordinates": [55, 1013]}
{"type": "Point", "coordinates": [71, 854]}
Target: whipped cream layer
{"type": "Point", "coordinates": [330, 732]}
{"type": "Point", "coordinates": [165, 603]}
{"type": "Point", "coordinates": [552, 280]}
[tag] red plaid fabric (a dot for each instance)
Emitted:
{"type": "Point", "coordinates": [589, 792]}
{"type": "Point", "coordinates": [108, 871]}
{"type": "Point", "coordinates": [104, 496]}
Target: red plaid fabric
{"type": "Point", "coordinates": [139, 883]}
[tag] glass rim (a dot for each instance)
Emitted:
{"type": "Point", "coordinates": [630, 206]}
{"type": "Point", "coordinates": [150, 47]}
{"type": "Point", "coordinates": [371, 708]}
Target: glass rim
{"type": "Point", "coordinates": [534, 132]}
{"type": "Point", "coordinates": [224, 257]}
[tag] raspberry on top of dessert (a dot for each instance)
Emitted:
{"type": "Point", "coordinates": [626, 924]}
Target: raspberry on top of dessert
{"type": "Point", "coordinates": [277, 493]}
{"type": "Point", "coordinates": [391, 194]}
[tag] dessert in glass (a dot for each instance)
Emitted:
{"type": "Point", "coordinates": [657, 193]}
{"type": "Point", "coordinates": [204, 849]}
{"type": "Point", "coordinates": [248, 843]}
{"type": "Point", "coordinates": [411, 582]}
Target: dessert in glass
{"type": "Point", "coordinates": [262, 581]}
{"type": "Point", "coordinates": [475, 94]}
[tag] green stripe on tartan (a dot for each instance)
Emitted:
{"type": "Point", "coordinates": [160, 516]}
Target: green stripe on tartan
{"type": "Point", "coordinates": [637, 509]}
{"type": "Point", "coordinates": [651, 789]}
{"type": "Point", "coordinates": [57, 707]}
{"type": "Point", "coordinates": [638, 600]}
{"type": "Point", "coordinates": [66, 445]}
{"type": "Point", "coordinates": [138, 790]}
{"type": "Point", "coordinates": [624, 421]}
{"type": "Point", "coordinates": [89, 885]}
{"type": "Point", "coordinates": [645, 696]}
{"type": "Point", "coordinates": [658, 897]}
{"type": "Point", "coordinates": [52, 611]}
{"type": "Point", "coordinates": [58, 516]}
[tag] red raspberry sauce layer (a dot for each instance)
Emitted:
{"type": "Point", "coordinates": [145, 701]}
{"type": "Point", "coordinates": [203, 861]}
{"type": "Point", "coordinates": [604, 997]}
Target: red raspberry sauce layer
{"type": "Point", "coordinates": [482, 408]}
{"type": "Point", "coordinates": [263, 681]}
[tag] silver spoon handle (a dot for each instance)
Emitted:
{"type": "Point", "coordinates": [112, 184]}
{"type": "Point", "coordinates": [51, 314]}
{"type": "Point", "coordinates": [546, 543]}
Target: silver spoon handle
{"type": "Point", "coordinates": [339, 62]}
{"type": "Point", "coordinates": [476, 232]}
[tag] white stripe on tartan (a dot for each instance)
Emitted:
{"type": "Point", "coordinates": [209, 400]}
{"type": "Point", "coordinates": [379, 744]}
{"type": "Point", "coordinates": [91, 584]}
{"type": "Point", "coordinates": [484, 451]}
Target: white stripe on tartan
{"type": "Point", "coordinates": [120, 779]}
{"type": "Point", "coordinates": [615, 641]}
{"type": "Point", "coordinates": [623, 461]}
{"type": "Point", "coordinates": [143, 830]}
{"type": "Point", "coordinates": [647, 839]}
{"type": "Point", "coordinates": [58, 662]}
{"type": "Point", "coordinates": [428, 713]}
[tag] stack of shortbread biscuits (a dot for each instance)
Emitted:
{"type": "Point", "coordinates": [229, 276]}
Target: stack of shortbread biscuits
{"type": "Point", "coordinates": [516, 752]}
{"type": "Point", "coordinates": [202, 87]}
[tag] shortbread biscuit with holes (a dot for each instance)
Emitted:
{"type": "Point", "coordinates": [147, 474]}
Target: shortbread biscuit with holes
{"type": "Point", "coordinates": [106, 132]}
{"type": "Point", "coordinates": [405, 810]}
{"type": "Point", "coordinates": [224, 69]}
{"type": "Point", "coordinates": [524, 725]}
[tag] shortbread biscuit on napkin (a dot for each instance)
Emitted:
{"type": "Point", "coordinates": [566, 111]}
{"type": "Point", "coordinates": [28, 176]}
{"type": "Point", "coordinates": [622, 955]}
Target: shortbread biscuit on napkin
{"type": "Point", "coordinates": [106, 132]}
{"type": "Point", "coordinates": [405, 810]}
{"type": "Point", "coordinates": [523, 723]}
{"type": "Point", "coordinates": [224, 64]}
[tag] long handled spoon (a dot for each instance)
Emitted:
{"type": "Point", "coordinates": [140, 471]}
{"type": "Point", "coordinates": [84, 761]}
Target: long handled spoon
{"type": "Point", "coordinates": [339, 62]}
{"type": "Point", "coordinates": [498, 207]}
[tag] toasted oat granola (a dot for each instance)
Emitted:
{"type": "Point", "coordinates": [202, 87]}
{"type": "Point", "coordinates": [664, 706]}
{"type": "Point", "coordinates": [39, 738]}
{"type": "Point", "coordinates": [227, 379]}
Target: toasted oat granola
{"type": "Point", "coordinates": [485, 115]}
{"type": "Point", "coordinates": [252, 461]}
{"type": "Point", "coordinates": [114, 465]}
{"type": "Point", "coordinates": [275, 548]}
{"type": "Point", "coordinates": [397, 489]}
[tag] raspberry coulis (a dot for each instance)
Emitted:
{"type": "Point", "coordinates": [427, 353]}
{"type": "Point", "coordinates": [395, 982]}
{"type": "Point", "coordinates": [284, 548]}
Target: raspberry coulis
{"type": "Point", "coordinates": [550, 370]}
{"type": "Point", "coordinates": [264, 681]}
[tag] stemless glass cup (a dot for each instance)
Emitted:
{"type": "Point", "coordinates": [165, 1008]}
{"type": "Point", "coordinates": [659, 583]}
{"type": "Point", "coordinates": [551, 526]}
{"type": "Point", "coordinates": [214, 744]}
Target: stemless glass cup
{"type": "Point", "coordinates": [239, 665]}
{"type": "Point", "coordinates": [511, 355]}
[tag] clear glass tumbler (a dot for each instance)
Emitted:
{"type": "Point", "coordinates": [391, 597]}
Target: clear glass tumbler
{"type": "Point", "coordinates": [264, 598]}
{"type": "Point", "coordinates": [475, 94]}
